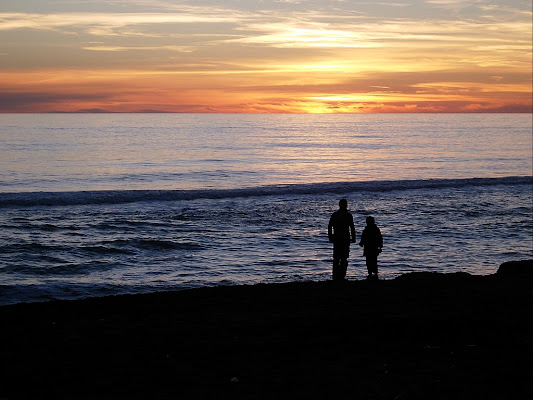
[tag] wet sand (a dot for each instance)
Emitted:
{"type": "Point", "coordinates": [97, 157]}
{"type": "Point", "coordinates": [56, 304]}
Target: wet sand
{"type": "Point", "coordinates": [419, 336]}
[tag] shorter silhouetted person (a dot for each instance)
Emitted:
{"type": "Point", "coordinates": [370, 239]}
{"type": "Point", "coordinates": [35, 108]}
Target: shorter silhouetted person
{"type": "Point", "coordinates": [341, 232]}
{"type": "Point", "coordinates": [372, 242]}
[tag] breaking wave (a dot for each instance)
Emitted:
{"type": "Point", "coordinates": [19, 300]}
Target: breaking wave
{"type": "Point", "coordinates": [32, 199]}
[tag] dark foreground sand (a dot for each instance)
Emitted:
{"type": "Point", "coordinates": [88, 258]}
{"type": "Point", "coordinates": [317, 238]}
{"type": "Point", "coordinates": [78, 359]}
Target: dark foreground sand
{"type": "Point", "coordinates": [420, 336]}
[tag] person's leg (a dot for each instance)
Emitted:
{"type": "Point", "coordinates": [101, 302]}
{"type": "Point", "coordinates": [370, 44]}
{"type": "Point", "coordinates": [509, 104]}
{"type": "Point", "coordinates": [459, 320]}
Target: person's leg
{"type": "Point", "coordinates": [372, 263]}
{"type": "Point", "coordinates": [336, 267]}
{"type": "Point", "coordinates": [341, 251]}
{"type": "Point", "coordinates": [343, 266]}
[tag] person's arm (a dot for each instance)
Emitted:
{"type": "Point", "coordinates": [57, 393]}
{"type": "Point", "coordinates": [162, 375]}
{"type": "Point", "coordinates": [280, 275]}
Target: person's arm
{"type": "Point", "coordinates": [330, 230]}
{"type": "Point", "coordinates": [352, 228]}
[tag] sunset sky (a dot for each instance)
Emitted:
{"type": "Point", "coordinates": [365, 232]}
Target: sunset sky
{"type": "Point", "coordinates": [303, 56]}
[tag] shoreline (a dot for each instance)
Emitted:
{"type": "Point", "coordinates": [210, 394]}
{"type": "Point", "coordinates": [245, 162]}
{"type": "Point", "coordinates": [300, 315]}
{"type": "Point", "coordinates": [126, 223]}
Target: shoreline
{"type": "Point", "coordinates": [420, 335]}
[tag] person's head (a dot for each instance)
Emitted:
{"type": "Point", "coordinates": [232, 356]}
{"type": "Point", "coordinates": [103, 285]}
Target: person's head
{"type": "Point", "coordinates": [370, 220]}
{"type": "Point", "coordinates": [343, 204]}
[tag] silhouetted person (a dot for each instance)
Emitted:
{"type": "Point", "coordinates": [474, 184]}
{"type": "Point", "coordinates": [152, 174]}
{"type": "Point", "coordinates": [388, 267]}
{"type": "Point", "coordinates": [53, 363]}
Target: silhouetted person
{"type": "Point", "coordinates": [372, 241]}
{"type": "Point", "coordinates": [341, 231]}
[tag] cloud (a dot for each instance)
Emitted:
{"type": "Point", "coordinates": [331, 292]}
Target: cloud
{"type": "Point", "coordinates": [284, 36]}
{"type": "Point", "coordinates": [25, 101]}
{"type": "Point", "coordinates": [282, 55]}
{"type": "Point", "coordinates": [179, 49]}
{"type": "Point", "coordinates": [105, 23]}
{"type": "Point", "coordinates": [273, 28]}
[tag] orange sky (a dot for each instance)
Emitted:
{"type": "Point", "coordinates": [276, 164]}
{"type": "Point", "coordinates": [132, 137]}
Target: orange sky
{"type": "Point", "coordinates": [301, 56]}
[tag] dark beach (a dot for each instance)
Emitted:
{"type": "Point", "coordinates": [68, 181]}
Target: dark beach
{"type": "Point", "coordinates": [419, 336]}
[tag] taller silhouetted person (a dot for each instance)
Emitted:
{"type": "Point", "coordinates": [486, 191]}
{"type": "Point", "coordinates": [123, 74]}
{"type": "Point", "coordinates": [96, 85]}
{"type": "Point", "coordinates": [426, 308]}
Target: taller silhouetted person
{"type": "Point", "coordinates": [341, 231]}
{"type": "Point", "coordinates": [372, 240]}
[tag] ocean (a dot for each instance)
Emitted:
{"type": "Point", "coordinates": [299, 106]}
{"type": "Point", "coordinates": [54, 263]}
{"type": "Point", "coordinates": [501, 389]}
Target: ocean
{"type": "Point", "coordinates": [106, 204]}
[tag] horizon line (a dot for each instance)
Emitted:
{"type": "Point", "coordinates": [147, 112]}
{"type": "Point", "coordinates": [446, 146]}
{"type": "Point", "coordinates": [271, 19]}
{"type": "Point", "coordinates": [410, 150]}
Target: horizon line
{"type": "Point", "coordinates": [264, 113]}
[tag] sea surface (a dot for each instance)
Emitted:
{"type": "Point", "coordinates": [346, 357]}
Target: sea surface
{"type": "Point", "coordinates": [104, 204]}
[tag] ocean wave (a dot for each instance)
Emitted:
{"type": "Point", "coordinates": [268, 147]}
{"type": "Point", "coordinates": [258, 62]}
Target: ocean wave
{"type": "Point", "coordinates": [33, 199]}
{"type": "Point", "coordinates": [152, 244]}
{"type": "Point", "coordinates": [32, 248]}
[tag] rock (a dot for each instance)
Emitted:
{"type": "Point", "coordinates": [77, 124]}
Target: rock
{"type": "Point", "coordinates": [516, 269]}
